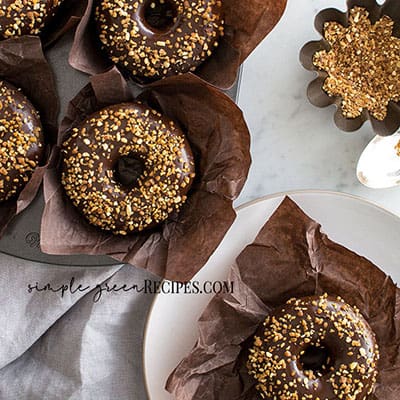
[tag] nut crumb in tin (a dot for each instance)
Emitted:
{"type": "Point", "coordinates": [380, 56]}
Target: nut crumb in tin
{"type": "Point", "coordinates": [361, 84]}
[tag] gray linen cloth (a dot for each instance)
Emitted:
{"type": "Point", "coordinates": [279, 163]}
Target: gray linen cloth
{"type": "Point", "coordinates": [56, 347]}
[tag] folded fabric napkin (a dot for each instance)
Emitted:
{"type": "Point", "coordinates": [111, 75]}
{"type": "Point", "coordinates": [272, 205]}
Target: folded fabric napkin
{"type": "Point", "coordinates": [71, 332]}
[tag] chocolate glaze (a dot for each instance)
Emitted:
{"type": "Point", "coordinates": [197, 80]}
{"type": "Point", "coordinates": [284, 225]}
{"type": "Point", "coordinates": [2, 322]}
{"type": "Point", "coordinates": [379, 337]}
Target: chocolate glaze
{"type": "Point", "coordinates": [21, 140]}
{"type": "Point", "coordinates": [325, 334]}
{"type": "Point", "coordinates": [25, 17]}
{"type": "Point", "coordinates": [155, 46]}
{"type": "Point", "coordinates": [95, 169]}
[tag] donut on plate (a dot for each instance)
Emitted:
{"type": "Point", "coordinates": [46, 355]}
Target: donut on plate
{"type": "Point", "coordinates": [157, 38]}
{"type": "Point", "coordinates": [25, 17]}
{"type": "Point", "coordinates": [21, 141]}
{"type": "Point", "coordinates": [315, 348]}
{"type": "Point", "coordinates": [127, 168]}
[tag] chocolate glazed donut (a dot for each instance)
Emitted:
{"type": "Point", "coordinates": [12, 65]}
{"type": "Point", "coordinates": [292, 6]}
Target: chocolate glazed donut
{"type": "Point", "coordinates": [25, 17]}
{"type": "Point", "coordinates": [21, 141]}
{"type": "Point", "coordinates": [127, 168]}
{"type": "Point", "coordinates": [156, 38]}
{"type": "Point", "coordinates": [315, 348]}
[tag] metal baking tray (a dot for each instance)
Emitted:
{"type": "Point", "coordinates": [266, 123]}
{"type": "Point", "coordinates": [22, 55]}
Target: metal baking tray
{"type": "Point", "coordinates": [22, 238]}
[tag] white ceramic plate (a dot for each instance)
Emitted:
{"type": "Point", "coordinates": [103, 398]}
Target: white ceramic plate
{"type": "Point", "coordinates": [361, 226]}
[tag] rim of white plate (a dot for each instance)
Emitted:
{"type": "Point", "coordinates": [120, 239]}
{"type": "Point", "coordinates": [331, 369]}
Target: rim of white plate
{"type": "Point", "coordinates": [237, 209]}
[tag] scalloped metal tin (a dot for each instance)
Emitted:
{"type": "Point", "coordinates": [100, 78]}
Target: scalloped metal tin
{"type": "Point", "coordinates": [315, 92]}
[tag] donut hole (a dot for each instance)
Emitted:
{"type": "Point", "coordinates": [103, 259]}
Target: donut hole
{"type": "Point", "coordinates": [160, 15]}
{"type": "Point", "coordinates": [316, 359]}
{"type": "Point", "coordinates": [128, 169]}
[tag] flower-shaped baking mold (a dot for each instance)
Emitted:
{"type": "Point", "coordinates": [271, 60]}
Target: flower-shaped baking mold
{"type": "Point", "coordinates": [358, 65]}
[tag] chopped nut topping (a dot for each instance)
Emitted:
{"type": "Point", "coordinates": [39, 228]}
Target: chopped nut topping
{"type": "Point", "coordinates": [25, 17]}
{"type": "Point", "coordinates": [130, 43]}
{"type": "Point", "coordinates": [348, 370]}
{"type": "Point", "coordinates": [21, 143]}
{"type": "Point", "coordinates": [363, 64]}
{"type": "Point", "coordinates": [90, 156]}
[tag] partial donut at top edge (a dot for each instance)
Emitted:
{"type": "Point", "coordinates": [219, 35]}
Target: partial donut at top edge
{"type": "Point", "coordinates": [133, 36]}
{"type": "Point", "coordinates": [25, 17]}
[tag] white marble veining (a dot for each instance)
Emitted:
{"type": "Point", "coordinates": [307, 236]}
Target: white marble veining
{"type": "Point", "coordinates": [294, 144]}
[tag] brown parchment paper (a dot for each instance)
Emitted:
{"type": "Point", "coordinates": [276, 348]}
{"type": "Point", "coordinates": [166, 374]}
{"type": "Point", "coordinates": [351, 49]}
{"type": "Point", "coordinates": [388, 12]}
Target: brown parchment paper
{"type": "Point", "coordinates": [247, 23]}
{"type": "Point", "coordinates": [290, 257]}
{"type": "Point", "coordinates": [66, 18]}
{"type": "Point", "coordinates": [219, 138]}
{"type": "Point", "coordinates": [23, 64]}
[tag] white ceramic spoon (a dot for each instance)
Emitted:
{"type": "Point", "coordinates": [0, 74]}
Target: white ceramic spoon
{"type": "Point", "coordinates": [379, 164]}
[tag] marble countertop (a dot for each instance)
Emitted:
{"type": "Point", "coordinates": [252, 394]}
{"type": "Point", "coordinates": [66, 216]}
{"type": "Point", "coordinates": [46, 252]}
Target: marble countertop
{"type": "Point", "coordinates": [294, 144]}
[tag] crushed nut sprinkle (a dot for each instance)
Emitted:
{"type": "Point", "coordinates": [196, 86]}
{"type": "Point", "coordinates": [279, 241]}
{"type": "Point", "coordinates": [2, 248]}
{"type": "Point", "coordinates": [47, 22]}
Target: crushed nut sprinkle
{"type": "Point", "coordinates": [25, 17]}
{"type": "Point", "coordinates": [21, 143]}
{"type": "Point", "coordinates": [397, 148]}
{"type": "Point", "coordinates": [363, 64]}
{"type": "Point", "coordinates": [131, 43]}
{"type": "Point", "coordinates": [349, 371]}
{"type": "Point", "coordinates": [92, 150]}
